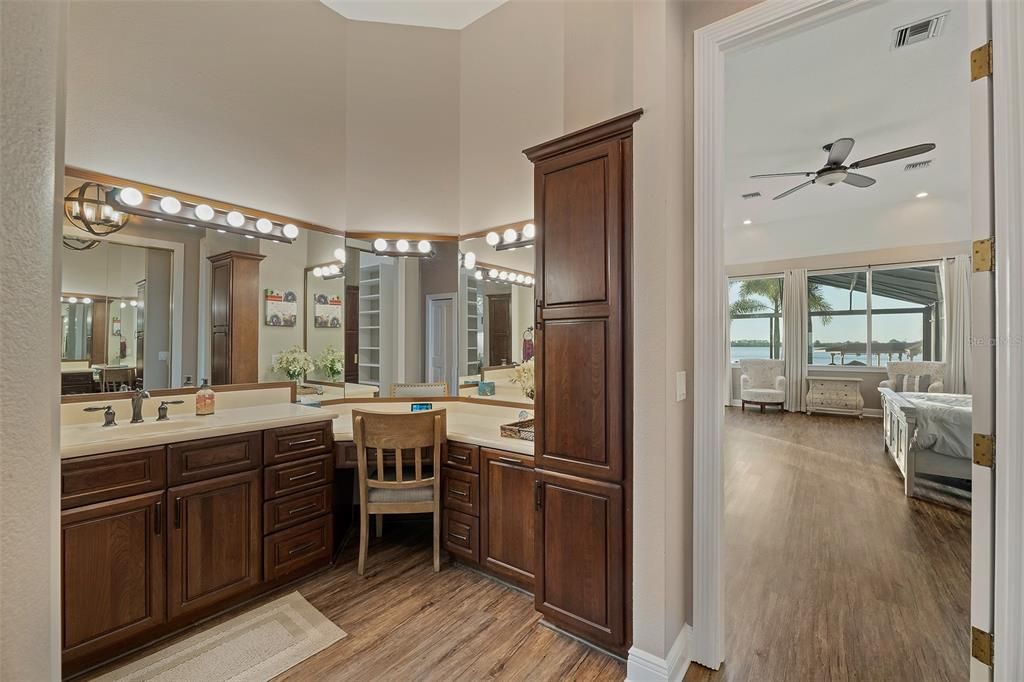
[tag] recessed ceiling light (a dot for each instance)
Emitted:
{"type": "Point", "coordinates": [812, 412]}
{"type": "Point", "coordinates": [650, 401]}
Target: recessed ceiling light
{"type": "Point", "coordinates": [921, 195]}
{"type": "Point", "coordinates": [747, 221]}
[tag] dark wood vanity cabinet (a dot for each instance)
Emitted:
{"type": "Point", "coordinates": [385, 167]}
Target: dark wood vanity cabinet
{"type": "Point", "coordinates": [507, 519]}
{"type": "Point", "coordinates": [583, 204]}
{"type": "Point", "coordinates": [214, 542]}
{"type": "Point", "coordinates": [234, 317]}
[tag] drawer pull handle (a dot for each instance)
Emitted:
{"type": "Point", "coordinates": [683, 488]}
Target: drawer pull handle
{"type": "Point", "coordinates": [302, 509]}
{"type": "Point", "coordinates": [177, 512]}
{"type": "Point", "coordinates": [301, 548]}
{"type": "Point", "coordinates": [461, 458]}
{"type": "Point", "coordinates": [304, 441]}
{"type": "Point", "coordinates": [456, 536]}
{"type": "Point", "coordinates": [158, 518]}
{"type": "Point", "coordinates": [301, 476]}
{"type": "Point", "coordinates": [510, 460]}
{"type": "Point", "coordinates": [460, 493]}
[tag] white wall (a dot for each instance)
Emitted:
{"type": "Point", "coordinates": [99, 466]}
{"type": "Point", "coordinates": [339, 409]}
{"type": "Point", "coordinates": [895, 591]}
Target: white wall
{"type": "Point", "coordinates": [32, 44]}
{"type": "Point", "coordinates": [282, 270]}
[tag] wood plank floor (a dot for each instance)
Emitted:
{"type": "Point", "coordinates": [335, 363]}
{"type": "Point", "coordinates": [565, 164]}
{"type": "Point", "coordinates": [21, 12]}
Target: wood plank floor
{"type": "Point", "coordinates": [832, 573]}
{"type": "Point", "coordinates": [406, 623]}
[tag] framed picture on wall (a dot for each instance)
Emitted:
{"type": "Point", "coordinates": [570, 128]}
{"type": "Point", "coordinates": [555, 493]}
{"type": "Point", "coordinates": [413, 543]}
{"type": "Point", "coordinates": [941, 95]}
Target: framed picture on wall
{"type": "Point", "coordinates": [327, 311]}
{"type": "Point", "coordinates": [281, 308]}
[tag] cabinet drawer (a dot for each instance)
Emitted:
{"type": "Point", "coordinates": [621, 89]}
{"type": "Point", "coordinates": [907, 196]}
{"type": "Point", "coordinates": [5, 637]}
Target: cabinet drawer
{"type": "Point", "coordinates": [98, 478]}
{"type": "Point", "coordinates": [460, 490]}
{"type": "Point", "coordinates": [288, 511]}
{"type": "Point", "coordinates": [199, 460]}
{"type": "Point", "coordinates": [289, 478]}
{"type": "Point", "coordinates": [302, 547]}
{"type": "Point", "coordinates": [462, 456]}
{"type": "Point", "coordinates": [462, 535]}
{"type": "Point", "coordinates": [297, 442]}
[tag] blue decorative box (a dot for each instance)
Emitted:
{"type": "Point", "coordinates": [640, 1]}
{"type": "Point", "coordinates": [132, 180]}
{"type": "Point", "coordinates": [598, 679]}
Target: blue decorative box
{"type": "Point", "coordinates": [485, 388]}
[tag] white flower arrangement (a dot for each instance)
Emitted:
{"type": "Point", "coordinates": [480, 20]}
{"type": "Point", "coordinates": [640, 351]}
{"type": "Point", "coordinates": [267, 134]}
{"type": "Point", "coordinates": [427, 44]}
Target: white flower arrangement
{"type": "Point", "coordinates": [294, 362]}
{"type": "Point", "coordinates": [523, 375]}
{"type": "Point", "coordinates": [331, 362]}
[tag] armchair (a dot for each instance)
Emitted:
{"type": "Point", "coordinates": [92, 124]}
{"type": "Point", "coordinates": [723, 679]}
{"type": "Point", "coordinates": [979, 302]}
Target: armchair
{"type": "Point", "coordinates": [918, 376]}
{"type": "Point", "coordinates": [762, 382]}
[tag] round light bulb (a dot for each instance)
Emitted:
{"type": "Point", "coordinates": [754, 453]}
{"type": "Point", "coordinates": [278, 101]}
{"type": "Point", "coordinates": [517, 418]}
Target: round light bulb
{"type": "Point", "coordinates": [235, 219]}
{"type": "Point", "coordinates": [72, 299]}
{"type": "Point", "coordinates": [170, 205]}
{"type": "Point", "coordinates": [133, 303]}
{"type": "Point", "coordinates": [921, 195]}
{"type": "Point", "coordinates": [123, 304]}
{"type": "Point", "coordinates": [493, 238]}
{"type": "Point", "coordinates": [264, 226]}
{"type": "Point", "coordinates": [380, 244]}
{"type": "Point", "coordinates": [510, 236]}
{"type": "Point", "coordinates": [520, 278]}
{"type": "Point", "coordinates": [203, 212]}
{"type": "Point", "coordinates": [318, 271]}
{"type": "Point", "coordinates": [529, 231]}
{"type": "Point", "coordinates": [529, 280]}
{"type": "Point", "coordinates": [402, 245]}
{"type": "Point", "coordinates": [340, 254]}
{"type": "Point", "coordinates": [130, 196]}
{"type": "Point", "coordinates": [479, 274]}
{"type": "Point", "coordinates": [290, 231]}
{"type": "Point", "coordinates": [469, 260]}
{"type": "Point", "coordinates": [423, 246]}
{"type": "Point", "coordinates": [492, 273]}
{"type": "Point", "coordinates": [335, 269]}
{"type": "Point", "coordinates": [503, 275]}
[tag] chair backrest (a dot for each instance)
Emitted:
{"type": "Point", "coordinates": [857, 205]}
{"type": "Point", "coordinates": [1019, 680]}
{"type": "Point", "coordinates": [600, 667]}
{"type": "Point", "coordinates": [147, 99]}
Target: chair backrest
{"type": "Point", "coordinates": [899, 370]}
{"type": "Point", "coordinates": [437, 389]}
{"type": "Point", "coordinates": [761, 372]}
{"type": "Point", "coordinates": [406, 436]}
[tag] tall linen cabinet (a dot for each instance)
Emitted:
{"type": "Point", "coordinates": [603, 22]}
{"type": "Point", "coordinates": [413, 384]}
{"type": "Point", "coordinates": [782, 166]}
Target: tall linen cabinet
{"type": "Point", "coordinates": [582, 486]}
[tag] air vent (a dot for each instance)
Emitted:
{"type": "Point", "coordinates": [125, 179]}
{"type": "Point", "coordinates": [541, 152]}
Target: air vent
{"type": "Point", "coordinates": [917, 165]}
{"type": "Point", "coordinates": [917, 32]}
{"type": "Point", "coordinates": [752, 195]}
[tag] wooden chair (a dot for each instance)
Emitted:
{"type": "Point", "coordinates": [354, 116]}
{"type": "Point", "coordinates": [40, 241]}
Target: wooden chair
{"type": "Point", "coordinates": [397, 482]}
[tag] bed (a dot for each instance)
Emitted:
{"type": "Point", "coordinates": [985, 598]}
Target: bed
{"type": "Point", "coordinates": [927, 433]}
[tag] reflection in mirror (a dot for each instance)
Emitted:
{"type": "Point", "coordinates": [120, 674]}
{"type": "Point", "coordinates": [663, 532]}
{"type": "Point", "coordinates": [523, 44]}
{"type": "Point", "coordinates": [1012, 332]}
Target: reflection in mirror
{"type": "Point", "coordinates": [324, 332]}
{"type": "Point", "coordinates": [496, 320]}
{"type": "Point", "coordinates": [405, 342]}
{"type": "Point", "coordinates": [108, 342]}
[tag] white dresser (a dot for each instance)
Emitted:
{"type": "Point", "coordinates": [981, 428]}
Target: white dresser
{"type": "Point", "coordinates": [834, 395]}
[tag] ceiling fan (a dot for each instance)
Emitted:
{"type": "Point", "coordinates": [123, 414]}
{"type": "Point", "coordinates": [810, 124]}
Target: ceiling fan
{"type": "Point", "coordinates": [834, 172]}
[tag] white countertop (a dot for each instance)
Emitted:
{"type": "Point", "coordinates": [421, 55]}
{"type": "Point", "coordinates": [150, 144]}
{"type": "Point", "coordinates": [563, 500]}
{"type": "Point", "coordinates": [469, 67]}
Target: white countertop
{"type": "Point", "coordinates": [476, 424]}
{"type": "Point", "coordinates": [90, 439]}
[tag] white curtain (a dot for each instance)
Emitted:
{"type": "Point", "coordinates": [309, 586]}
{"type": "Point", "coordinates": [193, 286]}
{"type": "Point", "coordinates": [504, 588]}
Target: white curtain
{"type": "Point", "coordinates": [794, 325]}
{"type": "Point", "coordinates": [956, 293]}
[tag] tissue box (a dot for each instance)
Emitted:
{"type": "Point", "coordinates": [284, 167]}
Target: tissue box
{"type": "Point", "coordinates": [485, 388]}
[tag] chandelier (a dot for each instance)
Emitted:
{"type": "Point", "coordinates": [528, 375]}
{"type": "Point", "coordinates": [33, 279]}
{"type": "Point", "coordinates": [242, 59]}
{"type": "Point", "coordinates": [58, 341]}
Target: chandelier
{"type": "Point", "coordinates": [87, 208]}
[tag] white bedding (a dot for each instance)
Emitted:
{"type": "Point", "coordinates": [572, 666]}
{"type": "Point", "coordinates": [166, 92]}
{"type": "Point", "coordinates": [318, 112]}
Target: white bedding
{"type": "Point", "coordinates": [943, 423]}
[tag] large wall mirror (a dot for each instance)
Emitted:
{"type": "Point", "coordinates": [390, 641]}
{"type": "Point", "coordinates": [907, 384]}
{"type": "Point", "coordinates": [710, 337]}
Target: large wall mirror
{"type": "Point", "coordinates": [496, 316]}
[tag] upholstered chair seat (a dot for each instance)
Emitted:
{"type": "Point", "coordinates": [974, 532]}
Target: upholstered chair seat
{"type": "Point", "coordinates": [762, 382]}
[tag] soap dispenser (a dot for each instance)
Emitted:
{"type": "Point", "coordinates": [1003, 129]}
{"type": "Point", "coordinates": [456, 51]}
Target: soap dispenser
{"type": "Point", "coordinates": [204, 400]}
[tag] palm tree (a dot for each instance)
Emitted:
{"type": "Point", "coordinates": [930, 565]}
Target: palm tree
{"type": "Point", "coordinates": [752, 295]}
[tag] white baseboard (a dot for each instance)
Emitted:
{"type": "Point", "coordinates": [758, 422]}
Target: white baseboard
{"type": "Point", "coordinates": [644, 667]}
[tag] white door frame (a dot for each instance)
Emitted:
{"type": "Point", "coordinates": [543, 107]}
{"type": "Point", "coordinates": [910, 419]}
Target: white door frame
{"type": "Point", "coordinates": [711, 44]}
{"type": "Point", "coordinates": [453, 369]}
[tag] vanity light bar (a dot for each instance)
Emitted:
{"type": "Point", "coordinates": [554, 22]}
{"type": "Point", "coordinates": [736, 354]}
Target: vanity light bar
{"type": "Point", "coordinates": [403, 248]}
{"type": "Point", "coordinates": [507, 276]}
{"type": "Point", "coordinates": [169, 208]}
{"type": "Point", "coordinates": [512, 239]}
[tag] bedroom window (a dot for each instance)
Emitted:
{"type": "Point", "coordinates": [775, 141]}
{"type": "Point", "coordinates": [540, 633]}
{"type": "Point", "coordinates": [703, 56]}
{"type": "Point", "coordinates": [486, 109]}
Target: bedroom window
{"type": "Point", "coordinates": [755, 318]}
{"type": "Point", "coordinates": [867, 317]}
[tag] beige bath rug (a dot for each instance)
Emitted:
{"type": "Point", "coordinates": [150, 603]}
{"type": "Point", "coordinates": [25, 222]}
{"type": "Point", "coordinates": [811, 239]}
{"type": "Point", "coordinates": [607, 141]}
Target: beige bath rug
{"type": "Point", "coordinates": [254, 646]}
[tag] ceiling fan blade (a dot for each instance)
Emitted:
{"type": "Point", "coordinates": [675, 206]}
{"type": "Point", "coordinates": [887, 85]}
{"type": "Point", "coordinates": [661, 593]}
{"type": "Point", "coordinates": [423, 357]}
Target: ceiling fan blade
{"type": "Point", "coordinates": [839, 150]}
{"type": "Point", "coordinates": [858, 180]}
{"type": "Point", "coordinates": [783, 175]}
{"type": "Point", "coordinates": [790, 191]}
{"type": "Point", "coordinates": [893, 156]}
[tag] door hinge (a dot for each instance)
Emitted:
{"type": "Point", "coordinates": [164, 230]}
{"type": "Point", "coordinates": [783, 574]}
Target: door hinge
{"type": "Point", "coordinates": [984, 450]}
{"type": "Point", "coordinates": [981, 61]}
{"type": "Point", "coordinates": [984, 255]}
{"type": "Point", "coordinates": [981, 645]}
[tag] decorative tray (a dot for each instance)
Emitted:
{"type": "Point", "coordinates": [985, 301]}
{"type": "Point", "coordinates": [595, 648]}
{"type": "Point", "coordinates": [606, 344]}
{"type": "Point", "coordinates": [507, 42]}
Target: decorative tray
{"type": "Point", "coordinates": [523, 430]}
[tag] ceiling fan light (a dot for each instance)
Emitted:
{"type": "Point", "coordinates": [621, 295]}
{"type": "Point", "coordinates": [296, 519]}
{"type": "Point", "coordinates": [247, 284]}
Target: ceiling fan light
{"type": "Point", "coordinates": [831, 177]}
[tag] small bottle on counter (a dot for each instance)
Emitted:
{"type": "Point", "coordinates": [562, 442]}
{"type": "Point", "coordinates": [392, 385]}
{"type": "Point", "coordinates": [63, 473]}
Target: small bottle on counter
{"type": "Point", "coordinates": [205, 398]}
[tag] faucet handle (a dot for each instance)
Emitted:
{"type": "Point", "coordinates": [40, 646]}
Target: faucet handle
{"type": "Point", "coordinates": [162, 410]}
{"type": "Point", "coordinates": [108, 414]}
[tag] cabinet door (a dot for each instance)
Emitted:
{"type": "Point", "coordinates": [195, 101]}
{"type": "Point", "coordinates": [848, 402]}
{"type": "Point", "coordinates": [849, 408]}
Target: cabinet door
{"type": "Point", "coordinates": [507, 545]}
{"type": "Point", "coordinates": [215, 542]}
{"type": "Point", "coordinates": [579, 583]}
{"type": "Point", "coordinates": [112, 572]}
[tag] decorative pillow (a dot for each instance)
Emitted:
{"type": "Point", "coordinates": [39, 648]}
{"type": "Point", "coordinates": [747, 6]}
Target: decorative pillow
{"type": "Point", "coordinates": [911, 383]}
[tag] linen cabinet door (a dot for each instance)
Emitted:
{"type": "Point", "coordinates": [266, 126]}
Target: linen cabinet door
{"type": "Point", "coordinates": [579, 583]}
{"type": "Point", "coordinates": [112, 574]}
{"type": "Point", "coordinates": [215, 541]}
{"type": "Point", "coordinates": [507, 523]}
